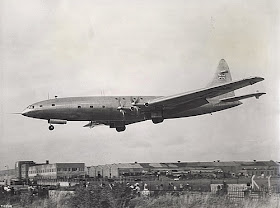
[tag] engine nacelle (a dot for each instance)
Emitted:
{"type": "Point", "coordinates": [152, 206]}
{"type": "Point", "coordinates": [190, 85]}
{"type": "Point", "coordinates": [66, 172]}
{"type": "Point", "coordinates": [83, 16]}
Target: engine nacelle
{"type": "Point", "coordinates": [157, 120]}
{"type": "Point", "coordinates": [57, 121]}
{"type": "Point", "coordinates": [157, 117]}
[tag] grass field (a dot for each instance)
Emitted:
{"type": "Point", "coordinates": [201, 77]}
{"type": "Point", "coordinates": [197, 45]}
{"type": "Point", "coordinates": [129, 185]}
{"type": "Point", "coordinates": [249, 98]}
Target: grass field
{"type": "Point", "coordinates": [202, 201]}
{"type": "Point", "coordinates": [184, 201]}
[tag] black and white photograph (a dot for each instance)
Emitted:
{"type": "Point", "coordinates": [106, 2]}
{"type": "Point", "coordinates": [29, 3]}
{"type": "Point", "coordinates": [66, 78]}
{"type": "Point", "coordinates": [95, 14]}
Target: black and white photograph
{"type": "Point", "coordinates": [140, 104]}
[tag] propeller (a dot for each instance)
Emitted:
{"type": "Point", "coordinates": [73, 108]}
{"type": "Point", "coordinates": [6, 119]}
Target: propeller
{"type": "Point", "coordinates": [134, 101]}
{"type": "Point", "coordinates": [121, 107]}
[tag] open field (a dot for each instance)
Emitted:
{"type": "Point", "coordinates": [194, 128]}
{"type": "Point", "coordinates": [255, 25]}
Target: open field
{"type": "Point", "coordinates": [183, 201]}
{"type": "Point", "coordinates": [121, 195]}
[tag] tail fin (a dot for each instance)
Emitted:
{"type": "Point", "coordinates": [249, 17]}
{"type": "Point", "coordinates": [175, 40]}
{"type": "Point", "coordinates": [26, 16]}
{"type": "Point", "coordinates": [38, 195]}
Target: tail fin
{"type": "Point", "coordinates": [222, 76]}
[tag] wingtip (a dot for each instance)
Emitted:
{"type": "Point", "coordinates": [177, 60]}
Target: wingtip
{"type": "Point", "coordinates": [260, 78]}
{"type": "Point", "coordinates": [254, 80]}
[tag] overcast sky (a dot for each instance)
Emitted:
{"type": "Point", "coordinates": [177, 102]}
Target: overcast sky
{"type": "Point", "coordinates": [141, 47]}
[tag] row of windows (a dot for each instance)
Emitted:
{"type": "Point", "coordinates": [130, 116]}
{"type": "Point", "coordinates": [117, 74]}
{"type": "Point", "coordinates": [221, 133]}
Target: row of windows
{"type": "Point", "coordinates": [32, 107]}
{"type": "Point", "coordinates": [41, 171]}
{"type": "Point", "coordinates": [268, 172]}
{"type": "Point", "coordinates": [70, 169]}
{"type": "Point", "coordinates": [54, 170]}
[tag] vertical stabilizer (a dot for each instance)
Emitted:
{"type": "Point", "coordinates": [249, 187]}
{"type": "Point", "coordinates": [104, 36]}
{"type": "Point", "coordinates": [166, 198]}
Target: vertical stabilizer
{"type": "Point", "coordinates": [222, 76]}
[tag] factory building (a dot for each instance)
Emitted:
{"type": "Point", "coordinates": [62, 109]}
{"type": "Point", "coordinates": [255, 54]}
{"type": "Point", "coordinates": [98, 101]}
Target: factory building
{"type": "Point", "coordinates": [25, 170]}
{"type": "Point", "coordinates": [259, 168]}
{"type": "Point", "coordinates": [21, 169]}
{"type": "Point", "coordinates": [234, 168]}
{"type": "Point", "coordinates": [56, 171]}
{"type": "Point", "coordinates": [115, 170]}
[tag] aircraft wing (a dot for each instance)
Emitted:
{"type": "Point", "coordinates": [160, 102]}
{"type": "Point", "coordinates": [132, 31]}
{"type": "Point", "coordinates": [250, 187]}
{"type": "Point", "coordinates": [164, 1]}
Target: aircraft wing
{"type": "Point", "coordinates": [198, 98]}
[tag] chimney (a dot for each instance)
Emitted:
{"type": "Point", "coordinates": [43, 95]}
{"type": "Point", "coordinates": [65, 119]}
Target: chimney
{"type": "Point", "coordinates": [47, 162]}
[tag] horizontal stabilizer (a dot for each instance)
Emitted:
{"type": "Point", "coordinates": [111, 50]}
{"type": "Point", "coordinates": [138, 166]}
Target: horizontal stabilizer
{"type": "Point", "coordinates": [232, 99]}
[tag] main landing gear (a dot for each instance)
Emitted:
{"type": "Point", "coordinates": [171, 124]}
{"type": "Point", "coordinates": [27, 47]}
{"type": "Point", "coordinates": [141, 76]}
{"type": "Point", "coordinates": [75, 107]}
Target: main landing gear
{"type": "Point", "coordinates": [120, 129]}
{"type": "Point", "coordinates": [51, 127]}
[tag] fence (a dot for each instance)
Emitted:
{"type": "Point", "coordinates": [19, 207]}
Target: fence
{"type": "Point", "coordinates": [242, 191]}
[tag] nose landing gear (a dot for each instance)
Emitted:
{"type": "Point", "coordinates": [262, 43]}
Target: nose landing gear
{"type": "Point", "coordinates": [51, 127]}
{"type": "Point", "coordinates": [120, 129]}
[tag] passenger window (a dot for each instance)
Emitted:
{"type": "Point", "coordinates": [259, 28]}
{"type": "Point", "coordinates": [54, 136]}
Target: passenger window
{"type": "Point", "coordinates": [53, 104]}
{"type": "Point", "coordinates": [103, 106]}
{"type": "Point", "coordinates": [79, 106]}
{"type": "Point", "coordinates": [91, 106]}
{"type": "Point", "coordinates": [41, 106]}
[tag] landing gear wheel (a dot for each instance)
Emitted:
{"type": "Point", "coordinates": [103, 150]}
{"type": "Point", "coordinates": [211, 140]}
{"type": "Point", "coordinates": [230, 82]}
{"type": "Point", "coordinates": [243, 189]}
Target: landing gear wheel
{"type": "Point", "coordinates": [51, 127]}
{"type": "Point", "coordinates": [120, 129]}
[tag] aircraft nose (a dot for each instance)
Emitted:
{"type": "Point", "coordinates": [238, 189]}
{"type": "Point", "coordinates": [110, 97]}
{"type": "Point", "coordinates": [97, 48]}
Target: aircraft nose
{"type": "Point", "coordinates": [25, 112]}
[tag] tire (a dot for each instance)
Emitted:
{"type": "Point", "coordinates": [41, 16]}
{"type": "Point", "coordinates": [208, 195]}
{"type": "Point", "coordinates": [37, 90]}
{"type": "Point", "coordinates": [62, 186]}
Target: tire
{"type": "Point", "coordinates": [120, 129]}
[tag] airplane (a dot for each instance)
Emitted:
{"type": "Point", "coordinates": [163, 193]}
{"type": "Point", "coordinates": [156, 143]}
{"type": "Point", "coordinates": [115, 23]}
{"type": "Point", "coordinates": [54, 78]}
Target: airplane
{"type": "Point", "coordinates": [119, 111]}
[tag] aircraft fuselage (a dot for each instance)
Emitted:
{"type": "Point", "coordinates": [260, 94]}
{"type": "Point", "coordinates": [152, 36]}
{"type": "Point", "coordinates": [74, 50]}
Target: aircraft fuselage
{"type": "Point", "coordinates": [119, 111]}
{"type": "Point", "coordinates": [105, 109]}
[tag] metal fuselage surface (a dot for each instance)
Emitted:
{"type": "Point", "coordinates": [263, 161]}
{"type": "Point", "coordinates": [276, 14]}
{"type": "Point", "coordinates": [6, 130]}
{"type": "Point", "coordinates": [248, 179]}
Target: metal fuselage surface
{"type": "Point", "coordinates": [104, 108]}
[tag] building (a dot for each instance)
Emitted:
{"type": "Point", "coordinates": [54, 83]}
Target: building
{"type": "Point", "coordinates": [233, 168]}
{"type": "Point", "coordinates": [259, 168]}
{"type": "Point", "coordinates": [21, 169]}
{"type": "Point", "coordinates": [115, 170]}
{"type": "Point", "coordinates": [57, 171]}
{"type": "Point", "coordinates": [20, 172]}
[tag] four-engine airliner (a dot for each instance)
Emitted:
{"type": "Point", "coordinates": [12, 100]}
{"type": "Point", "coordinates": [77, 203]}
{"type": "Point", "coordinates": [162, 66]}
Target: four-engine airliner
{"type": "Point", "coordinates": [119, 111]}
